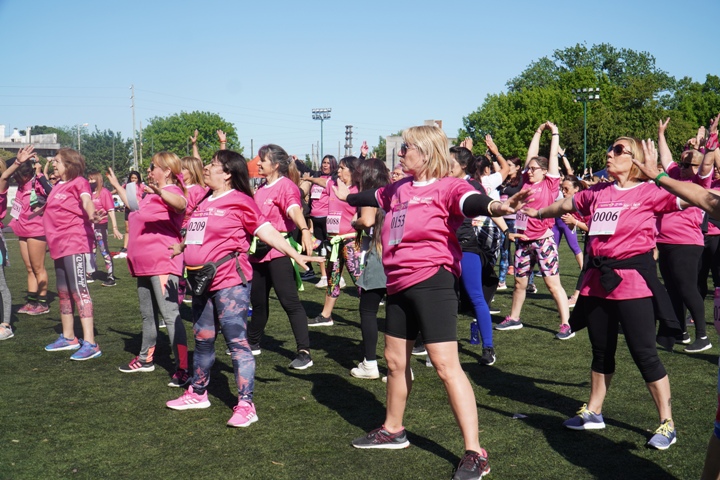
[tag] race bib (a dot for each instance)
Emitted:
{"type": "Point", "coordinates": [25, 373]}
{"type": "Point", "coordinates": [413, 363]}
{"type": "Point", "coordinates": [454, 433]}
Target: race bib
{"type": "Point", "coordinates": [333, 222]}
{"type": "Point", "coordinates": [196, 229]}
{"type": "Point", "coordinates": [605, 218]}
{"type": "Point", "coordinates": [397, 223]}
{"type": "Point", "coordinates": [521, 221]}
{"type": "Point", "coordinates": [316, 192]}
{"type": "Point", "coordinates": [16, 209]}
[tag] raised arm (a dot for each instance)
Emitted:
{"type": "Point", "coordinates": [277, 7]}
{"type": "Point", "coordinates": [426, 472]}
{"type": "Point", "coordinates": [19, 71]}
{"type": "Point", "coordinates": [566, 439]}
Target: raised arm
{"type": "Point", "coordinates": [534, 147]}
{"type": "Point", "coordinates": [711, 157]}
{"type": "Point", "coordinates": [193, 140]}
{"type": "Point", "coordinates": [504, 167]}
{"type": "Point", "coordinates": [553, 163]}
{"type": "Point", "coordinates": [663, 149]}
{"type": "Point", "coordinates": [24, 154]}
{"type": "Point", "coordinates": [222, 137]}
{"type": "Point", "coordinates": [568, 168]}
{"type": "Point", "coordinates": [116, 185]}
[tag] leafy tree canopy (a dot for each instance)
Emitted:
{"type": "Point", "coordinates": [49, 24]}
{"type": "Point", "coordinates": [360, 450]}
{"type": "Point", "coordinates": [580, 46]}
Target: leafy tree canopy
{"type": "Point", "coordinates": [634, 95]}
{"type": "Point", "coordinates": [172, 133]}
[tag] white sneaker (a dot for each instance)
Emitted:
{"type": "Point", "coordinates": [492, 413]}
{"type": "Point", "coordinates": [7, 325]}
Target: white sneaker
{"type": "Point", "coordinates": [364, 370]}
{"type": "Point", "coordinates": [121, 255]}
{"type": "Point", "coordinates": [322, 283]}
{"type": "Point", "coordinates": [342, 282]}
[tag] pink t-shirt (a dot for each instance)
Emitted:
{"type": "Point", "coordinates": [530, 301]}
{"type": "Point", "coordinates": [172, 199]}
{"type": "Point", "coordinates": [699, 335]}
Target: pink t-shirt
{"type": "Point", "coordinates": [275, 201]}
{"type": "Point", "coordinates": [319, 197]}
{"type": "Point", "coordinates": [195, 193]}
{"type": "Point", "coordinates": [635, 210]}
{"type": "Point", "coordinates": [226, 224]}
{"type": "Point", "coordinates": [26, 222]}
{"type": "Point", "coordinates": [68, 228]}
{"type": "Point", "coordinates": [103, 201]}
{"type": "Point", "coordinates": [418, 236]}
{"type": "Point", "coordinates": [153, 229]}
{"type": "Point", "coordinates": [544, 193]}
{"type": "Point", "coordinates": [683, 228]}
{"type": "Point", "coordinates": [3, 204]}
{"type": "Point", "coordinates": [340, 214]}
{"type": "Point", "coordinates": [712, 229]}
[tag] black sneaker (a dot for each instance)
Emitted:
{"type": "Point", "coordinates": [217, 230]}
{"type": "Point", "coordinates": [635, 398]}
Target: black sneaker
{"type": "Point", "coordinates": [309, 275]}
{"type": "Point", "coordinates": [109, 282]}
{"type": "Point", "coordinates": [685, 338]}
{"type": "Point", "coordinates": [302, 361]}
{"type": "Point", "coordinates": [419, 350]}
{"type": "Point", "coordinates": [381, 438]}
{"type": "Point", "coordinates": [699, 345]}
{"type": "Point", "coordinates": [472, 466]}
{"type": "Point", "coordinates": [488, 356]}
{"type": "Point", "coordinates": [320, 321]}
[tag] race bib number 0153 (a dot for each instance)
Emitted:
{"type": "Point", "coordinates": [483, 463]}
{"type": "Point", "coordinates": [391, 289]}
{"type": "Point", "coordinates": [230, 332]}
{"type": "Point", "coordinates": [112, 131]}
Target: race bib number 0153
{"type": "Point", "coordinates": [397, 223]}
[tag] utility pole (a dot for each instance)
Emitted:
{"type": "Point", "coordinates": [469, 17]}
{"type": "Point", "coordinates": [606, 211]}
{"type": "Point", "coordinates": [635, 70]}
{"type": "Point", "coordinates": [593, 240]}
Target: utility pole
{"type": "Point", "coordinates": [132, 106]}
{"type": "Point", "coordinates": [141, 144]}
{"type": "Point", "coordinates": [584, 96]}
{"type": "Point", "coordinates": [321, 114]}
{"type": "Point", "coordinates": [348, 140]}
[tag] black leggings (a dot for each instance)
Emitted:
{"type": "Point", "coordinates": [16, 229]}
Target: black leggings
{"type": "Point", "coordinates": [638, 323]}
{"type": "Point", "coordinates": [679, 269]}
{"type": "Point", "coordinates": [369, 306]}
{"type": "Point", "coordinates": [709, 263]}
{"type": "Point", "coordinates": [280, 275]}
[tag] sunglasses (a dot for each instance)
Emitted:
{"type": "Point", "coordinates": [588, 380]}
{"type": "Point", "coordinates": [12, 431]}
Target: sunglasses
{"type": "Point", "coordinates": [618, 150]}
{"type": "Point", "coordinates": [404, 147]}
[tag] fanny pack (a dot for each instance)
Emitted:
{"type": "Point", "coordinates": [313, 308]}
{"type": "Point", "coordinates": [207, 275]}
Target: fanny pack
{"type": "Point", "coordinates": [200, 278]}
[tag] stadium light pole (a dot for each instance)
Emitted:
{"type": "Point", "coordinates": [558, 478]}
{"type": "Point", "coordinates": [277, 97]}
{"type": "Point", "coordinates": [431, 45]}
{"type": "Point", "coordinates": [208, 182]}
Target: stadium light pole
{"type": "Point", "coordinates": [584, 96]}
{"type": "Point", "coordinates": [321, 114]}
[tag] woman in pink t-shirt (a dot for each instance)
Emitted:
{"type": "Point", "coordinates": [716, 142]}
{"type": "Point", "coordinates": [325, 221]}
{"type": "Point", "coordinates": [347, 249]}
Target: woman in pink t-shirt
{"type": "Point", "coordinates": [421, 256]}
{"type": "Point", "coordinates": [344, 251]}
{"type": "Point", "coordinates": [279, 201]}
{"type": "Point", "coordinates": [319, 198]}
{"type": "Point", "coordinates": [102, 199]}
{"type": "Point", "coordinates": [136, 178]}
{"type": "Point", "coordinates": [542, 178]}
{"type": "Point", "coordinates": [27, 223]}
{"type": "Point", "coordinates": [68, 219]}
{"type": "Point", "coordinates": [154, 228]}
{"type": "Point", "coordinates": [620, 287]}
{"type": "Point", "coordinates": [192, 171]}
{"type": "Point", "coordinates": [6, 330]}
{"type": "Point", "coordinates": [222, 226]}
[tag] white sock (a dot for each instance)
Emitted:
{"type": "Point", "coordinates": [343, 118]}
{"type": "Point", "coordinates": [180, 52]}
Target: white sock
{"type": "Point", "coordinates": [370, 363]}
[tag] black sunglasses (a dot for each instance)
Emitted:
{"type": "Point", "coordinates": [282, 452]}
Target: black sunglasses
{"type": "Point", "coordinates": [404, 147]}
{"type": "Point", "coordinates": [618, 150]}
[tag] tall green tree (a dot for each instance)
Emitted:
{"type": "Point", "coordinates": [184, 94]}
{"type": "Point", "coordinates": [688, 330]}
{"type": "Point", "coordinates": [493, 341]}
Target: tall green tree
{"type": "Point", "coordinates": [105, 148]}
{"type": "Point", "coordinates": [172, 133]}
{"type": "Point", "coordinates": [634, 95]}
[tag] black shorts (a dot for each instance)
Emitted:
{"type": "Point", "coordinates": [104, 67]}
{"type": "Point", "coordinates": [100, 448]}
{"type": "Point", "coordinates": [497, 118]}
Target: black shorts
{"type": "Point", "coordinates": [429, 307]}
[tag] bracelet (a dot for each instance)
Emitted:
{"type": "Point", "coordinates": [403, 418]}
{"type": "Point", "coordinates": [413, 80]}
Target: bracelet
{"type": "Point", "coordinates": [556, 134]}
{"type": "Point", "coordinates": [539, 215]}
{"type": "Point", "coordinates": [657, 179]}
{"type": "Point", "coordinates": [306, 228]}
{"type": "Point", "coordinates": [489, 207]}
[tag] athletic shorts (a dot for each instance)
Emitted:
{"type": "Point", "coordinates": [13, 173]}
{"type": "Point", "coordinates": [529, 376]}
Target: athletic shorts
{"type": "Point", "coordinates": [542, 252]}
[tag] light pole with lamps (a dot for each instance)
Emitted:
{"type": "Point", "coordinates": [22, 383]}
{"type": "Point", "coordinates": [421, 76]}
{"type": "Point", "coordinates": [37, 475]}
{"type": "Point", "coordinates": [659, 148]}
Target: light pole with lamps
{"type": "Point", "coordinates": [78, 132]}
{"type": "Point", "coordinates": [321, 114]}
{"type": "Point", "coordinates": [583, 96]}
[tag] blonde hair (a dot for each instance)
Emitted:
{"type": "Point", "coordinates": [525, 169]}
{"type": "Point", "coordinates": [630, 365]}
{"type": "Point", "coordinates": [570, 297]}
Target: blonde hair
{"type": "Point", "coordinates": [172, 162]}
{"type": "Point", "coordinates": [97, 176]}
{"type": "Point", "coordinates": [432, 143]}
{"type": "Point", "coordinates": [637, 153]}
{"type": "Point", "coordinates": [195, 167]}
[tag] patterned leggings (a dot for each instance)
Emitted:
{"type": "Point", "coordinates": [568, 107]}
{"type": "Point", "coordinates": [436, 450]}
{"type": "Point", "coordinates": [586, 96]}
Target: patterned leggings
{"type": "Point", "coordinates": [348, 256]}
{"type": "Point", "coordinates": [227, 309]}
{"type": "Point", "coordinates": [71, 282]}
{"type": "Point", "coordinates": [101, 240]}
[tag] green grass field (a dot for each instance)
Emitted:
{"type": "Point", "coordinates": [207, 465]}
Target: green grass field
{"type": "Point", "coordinates": [86, 420]}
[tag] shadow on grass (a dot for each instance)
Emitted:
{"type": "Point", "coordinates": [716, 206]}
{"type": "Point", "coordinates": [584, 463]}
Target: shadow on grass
{"type": "Point", "coordinates": [599, 456]}
{"type": "Point", "coordinates": [359, 407]}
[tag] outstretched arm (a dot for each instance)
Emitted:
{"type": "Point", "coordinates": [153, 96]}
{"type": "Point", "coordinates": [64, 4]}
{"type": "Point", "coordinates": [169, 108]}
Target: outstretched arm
{"type": "Point", "coordinates": [504, 167]}
{"type": "Point", "coordinates": [534, 147]}
{"type": "Point", "coordinates": [663, 149]}
{"type": "Point", "coordinates": [553, 163]}
{"type": "Point", "coordinates": [554, 210]}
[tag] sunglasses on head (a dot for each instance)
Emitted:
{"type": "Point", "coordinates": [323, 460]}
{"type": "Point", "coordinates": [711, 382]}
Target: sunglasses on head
{"type": "Point", "coordinates": [618, 150]}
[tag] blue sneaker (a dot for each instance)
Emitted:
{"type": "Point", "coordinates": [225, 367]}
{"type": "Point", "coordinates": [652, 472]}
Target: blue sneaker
{"type": "Point", "coordinates": [509, 324]}
{"type": "Point", "coordinates": [585, 420]}
{"type": "Point", "coordinates": [86, 352]}
{"type": "Point", "coordinates": [63, 343]}
{"type": "Point", "coordinates": [665, 436]}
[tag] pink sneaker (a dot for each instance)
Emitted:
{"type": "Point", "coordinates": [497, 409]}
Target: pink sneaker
{"type": "Point", "coordinates": [189, 400]}
{"type": "Point", "coordinates": [37, 309]}
{"type": "Point", "coordinates": [243, 414]}
{"type": "Point", "coordinates": [25, 308]}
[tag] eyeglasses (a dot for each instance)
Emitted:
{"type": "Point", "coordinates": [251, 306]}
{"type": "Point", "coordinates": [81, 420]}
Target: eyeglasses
{"type": "Point", "coordinates": [152, 166]}
{"type": "Point", "coordinates": [404, 147]}
{"type": "Point", "coordinates": [618, 150]}
{"type": "Point", "coordinates": [533, 169]}
{"type": "Point", "coordinates": [214, 163]}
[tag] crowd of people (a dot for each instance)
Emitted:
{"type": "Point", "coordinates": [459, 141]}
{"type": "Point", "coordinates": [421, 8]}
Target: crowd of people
{"type": "Point", "coordinates": [425, 238]}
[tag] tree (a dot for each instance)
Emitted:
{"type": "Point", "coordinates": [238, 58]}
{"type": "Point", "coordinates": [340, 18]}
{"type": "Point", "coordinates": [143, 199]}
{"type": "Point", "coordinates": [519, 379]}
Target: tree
{"type": "Point", "coordinates": [172, 133]}
{"type": "Point", "coordinates": [103, 149]}
{"type": "Point", "coordinates": [380, 151]}
{"type": "Point", "coordinates": [634, 95]}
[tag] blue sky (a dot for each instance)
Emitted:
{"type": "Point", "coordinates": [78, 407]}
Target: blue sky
{"type": "Point", "coordinates": [380, 66]}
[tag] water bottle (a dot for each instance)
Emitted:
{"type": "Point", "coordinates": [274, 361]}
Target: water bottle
{"type": "Point", "coordinates": [474, 332]}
